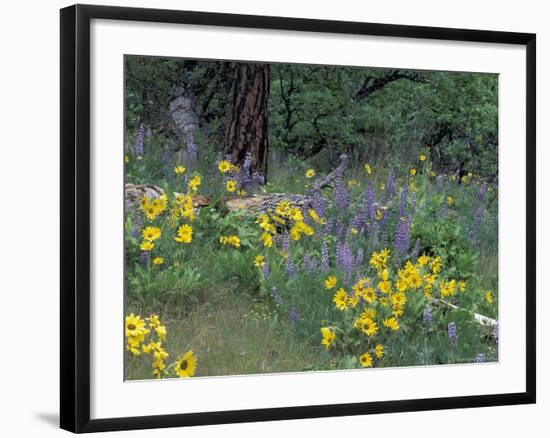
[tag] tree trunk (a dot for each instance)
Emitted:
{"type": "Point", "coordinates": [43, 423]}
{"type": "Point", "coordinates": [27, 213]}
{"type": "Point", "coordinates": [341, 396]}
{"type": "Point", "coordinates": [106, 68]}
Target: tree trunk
{"type": "Point", "coordinates": [247, 129]}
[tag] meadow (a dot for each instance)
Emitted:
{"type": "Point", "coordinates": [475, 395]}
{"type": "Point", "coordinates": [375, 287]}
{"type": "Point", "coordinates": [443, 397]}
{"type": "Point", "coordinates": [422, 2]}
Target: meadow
{"type": "Point", "coordinates": [357, 258]}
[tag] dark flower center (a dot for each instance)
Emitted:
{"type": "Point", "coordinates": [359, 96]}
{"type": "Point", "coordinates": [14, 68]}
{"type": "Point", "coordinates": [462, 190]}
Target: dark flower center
{"type": "Point", "coordinates": [183, 364]}
{"type": "Point", "coordinates": [131, 327]}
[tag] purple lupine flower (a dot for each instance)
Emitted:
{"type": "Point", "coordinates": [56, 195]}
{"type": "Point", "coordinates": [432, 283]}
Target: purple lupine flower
{"type": "Point", "coordinates": [359, 258]}
{"type": "Point", "coordinates": [140, 136]}
{"type": "Point", "coordinates": [480, 358]}
{"type": "Point", "coordinates": [136, 226]}
{"type": "Point", "coordinates": [291, 268]}
{"type": "Point", "coordinates": [265, 270]}
{"type": "Point", "coordinates": [482, 191]}
{"type": "Point", "coordinates": [144, 258]}
{"type": "Point", "coordinates": [452, 333]}
{"type": "Point", "coordinates": [402, 236]}
{"type": "Point", "coordinates": [318, 203]}
{"type": "Point", "coordinates": [192, 150]}
{"type": "Point", "coordinates": [390, 186]}
{"type": "Point", "coordinates": [356, 222]}
{"type": "Point", "coordinates": [339, 229]}
{"type": "Point", "coordinates": [416, 249]}
{"type": "Point", "coordinates": [370, 210]}
{"type": "Point", "coordinates": [427, 316]}
{"type": "Point", "coordinates": [293, 315]}
{"type": "Point", "coordinates": [374, 235]}
{"type": "Point", "coordinates": [285, 242]}
{"type": "Point", "coordinates": [495, 332]}
{"type": "Point", "coordinates": [344, 259]}
{"type": "Point", "coordinates": [329, 225]}
{"type": "Point", "coordinates": [341, 196]}
{"type": "Point", "coordinates": [276, 296]}
{"type": "Point", "coordinates": [306, 262]}
{"type": "Point", "coordinates": [313, 266]}
{"type": "Point", "coordinates": [403, 203]}
{"type": "Point", "coordinates": [324, 257]}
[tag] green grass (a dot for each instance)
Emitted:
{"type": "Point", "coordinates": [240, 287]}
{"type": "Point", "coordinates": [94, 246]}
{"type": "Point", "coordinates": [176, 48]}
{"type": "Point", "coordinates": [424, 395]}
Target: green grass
{"type": "Point", "coordinates": [231, 335]}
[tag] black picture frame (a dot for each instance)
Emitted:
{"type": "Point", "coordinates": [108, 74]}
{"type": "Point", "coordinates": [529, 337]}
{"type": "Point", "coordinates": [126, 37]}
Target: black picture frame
{"type": "Point", "coordinates": [75, 217]}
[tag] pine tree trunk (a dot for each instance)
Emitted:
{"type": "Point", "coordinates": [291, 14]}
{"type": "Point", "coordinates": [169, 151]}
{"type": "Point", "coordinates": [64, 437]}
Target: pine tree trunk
{"type": "Point", "coordinates": [247, 129]}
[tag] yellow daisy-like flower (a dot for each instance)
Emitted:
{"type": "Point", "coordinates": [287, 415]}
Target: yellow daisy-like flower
{"type": "Point", "coordinates": [450, 200]}
{"type": "Point", "coordinates": [313, 214]}
{"type": "Point", "coordinates": [379, 351]}
{"type": "Point", "coordinates": [391, 323]}
{"type": "Point", "coordinates": [399, 299]}
{"type": "Point", "coordinates": [354, 230]}
{"type": "Point", "coordinates": [435, 265]}
{"type": "Point", "coordinates": [368, 326]}
{"type": "Point", "coordinates": [231, 241]}
{"type": "Point", "coordinates": [412, 171]}
{"type": "Point", "coordinates": [368, 313]}
{"type": "Point", "coordinates": [159, 353]}
{"type": "Point", "coordinates": [369, 295]}
{"type": "Point", "coordinates": [366, 360]}
{"type": "Point", "coordinates": [310, 173]}
{"type": "Point", "coordinates": [185, 234]}
{"type": "Point", "coordinates": [151, 212]}
{"type": "Point", "coordinates": [156, 325]}
{"type": "Point", "coordinates": [126, 159]}
{"type": "Point", "coordinates": [178, 170]}
{"type": "Point", "coordinates": [340, 299]}
{"type": "Point", "coordinates": [423, 157]}
{"type": "Point", "coordinates": [151, 233]}
{"type": "Point", "coordinates": [489, 297]}
{"type": "Point", "coordinates": [194, 183]}
{"type": "Point", "coordinates": [423, 260]}
{"type": "Point", "coordinates": [186, 364]}
{"type": "Point", "coordinates": [134, 326]}
{"type": "Point", "coordinates": [158, 261]}
{"type": "Point", "coordinates": [241, 192]}
{"type": "Point", "coordinates": [259, 261]}
{"type": "Point", "coordinates": [328, 337]}
{"type": "Point", "coordinates": [461, 286]}
{"type": "Point", "coordinates": [267, 240]}
{"type": "Point", "coordinates": [146, 245]}
{"type": "Point", "coordinates": [132, 345]}
{"type": "Point", "coordinates": [231, 186]}
{"type": "Point", "coordinates": [368, 169]}
{"type": "Point", "coordinates": [379, 259]}
{"type": "Point", "coordinates": [330, 282]}
{"type": "Point", "coordinates": [224, 166]}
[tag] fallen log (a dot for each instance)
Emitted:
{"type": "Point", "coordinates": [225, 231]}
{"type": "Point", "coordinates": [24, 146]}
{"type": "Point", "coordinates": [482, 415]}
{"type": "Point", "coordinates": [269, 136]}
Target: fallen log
{"type": "Point", "coordinates": [256, 203]}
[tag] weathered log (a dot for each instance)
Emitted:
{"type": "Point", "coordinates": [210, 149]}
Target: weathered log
{"type": "Point", "coordinates": [326, 180]}
{"type": "Point", "coordinates": [482, 320]}
{"type": "Point", "coordinates": [256, 203]}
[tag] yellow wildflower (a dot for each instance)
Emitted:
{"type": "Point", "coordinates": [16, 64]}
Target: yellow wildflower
{"type": "Point", "coordinates": [186, 364]}
{"type": "Point", "coordinates": [330, 282]}
{"type": "Point", "coordinates": [328, 337]}
{"type": "Point", "coordinates": [185, 234]}
{"type": "Point", "coordinates": [366, 360]}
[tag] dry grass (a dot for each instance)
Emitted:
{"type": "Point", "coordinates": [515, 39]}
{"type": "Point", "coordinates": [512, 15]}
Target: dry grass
{"type": "Point", "coordinates": [230, 336]}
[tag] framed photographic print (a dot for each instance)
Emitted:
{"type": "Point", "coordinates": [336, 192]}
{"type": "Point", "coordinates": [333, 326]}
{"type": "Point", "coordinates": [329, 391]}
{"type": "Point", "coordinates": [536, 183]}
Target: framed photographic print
{"type": "Point", "coordinates": [271, 218]}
